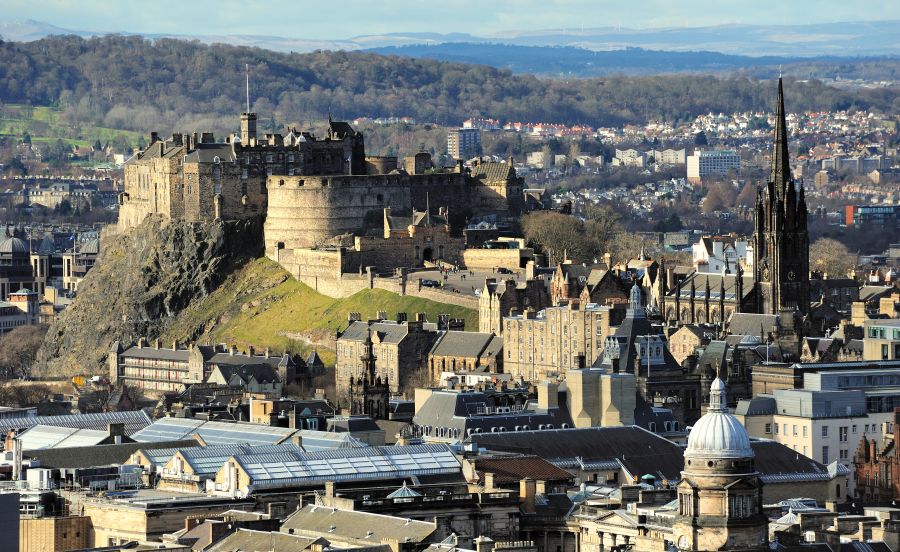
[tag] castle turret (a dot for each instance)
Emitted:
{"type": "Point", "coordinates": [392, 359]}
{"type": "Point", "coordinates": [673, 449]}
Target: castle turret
{"type": "Point", "coordinates": [248, 129]}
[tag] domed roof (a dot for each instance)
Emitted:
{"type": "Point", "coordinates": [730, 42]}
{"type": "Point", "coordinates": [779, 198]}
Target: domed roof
{"type": "Point", "coordinates": [718, 434]}
{"type": "Point", "coordinates": [13, 245]}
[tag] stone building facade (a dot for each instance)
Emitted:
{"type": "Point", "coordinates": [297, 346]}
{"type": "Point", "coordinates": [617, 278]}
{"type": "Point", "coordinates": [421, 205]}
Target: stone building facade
{"type": "Point", "coordinates": [400, 348]}
{"type": "Point", "coordinates": [506, 297]}
{"type": "Point", "coordinates": [538, 345]}
{"type": "Point", "coordinates": [157, 368]}
{"type": "Point", "coordinates": [877, 467]}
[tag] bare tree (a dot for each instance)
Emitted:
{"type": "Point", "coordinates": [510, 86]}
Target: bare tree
{"type": "Point", "coordinates": [18, 349]}
{"type": "Point", "coordinates": [827, 255]}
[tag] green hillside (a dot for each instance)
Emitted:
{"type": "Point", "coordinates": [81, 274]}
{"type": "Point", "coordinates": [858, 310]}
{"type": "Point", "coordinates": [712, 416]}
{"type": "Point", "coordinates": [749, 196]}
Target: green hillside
{"type": "Point", "coordinates": [46, 124]}
{"type": "Point", "coordinates": [262, 306]}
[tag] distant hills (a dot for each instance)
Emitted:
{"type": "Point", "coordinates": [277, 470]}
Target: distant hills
{"type": "Point", "coordinates": [137, 84]}
{"type": "Point", "coordinates": [843, 39]}
{"type": "Point", "coordinates": [566, 61]}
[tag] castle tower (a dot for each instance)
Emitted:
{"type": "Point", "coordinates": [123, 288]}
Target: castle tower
{"type": "Point", "coordinates": [369, 395]}
{"type": "Point", "coordinates": [781, 240]}
{"type": "Point", "coordinates": [720, 494]}
{"type": "Point", "coordinates": [248, 128]}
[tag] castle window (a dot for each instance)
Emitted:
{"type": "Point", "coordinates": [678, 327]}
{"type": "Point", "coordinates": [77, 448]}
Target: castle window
{"type": "Point", "coordinates": [245, 173]}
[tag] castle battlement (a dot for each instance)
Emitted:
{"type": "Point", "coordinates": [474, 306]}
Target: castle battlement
{"type": "Point", "coordinates": [376, 181]}
{"type": "Point", "coordinates": [311, 190]}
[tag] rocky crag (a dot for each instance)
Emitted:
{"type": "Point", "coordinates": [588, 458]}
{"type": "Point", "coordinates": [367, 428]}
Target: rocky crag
{"type": "Point", "coordinates": [141, 283]}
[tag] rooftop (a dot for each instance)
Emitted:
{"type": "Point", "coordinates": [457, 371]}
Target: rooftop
{"type": "Point", "coordinates": [353, 526]}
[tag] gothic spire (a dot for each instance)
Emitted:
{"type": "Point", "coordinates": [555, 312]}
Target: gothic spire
{"type": "Point", "coordinates": [781, 169]}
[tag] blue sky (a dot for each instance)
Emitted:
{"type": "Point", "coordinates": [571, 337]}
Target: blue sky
{"type": "Point", "coordinates": [338, 19]}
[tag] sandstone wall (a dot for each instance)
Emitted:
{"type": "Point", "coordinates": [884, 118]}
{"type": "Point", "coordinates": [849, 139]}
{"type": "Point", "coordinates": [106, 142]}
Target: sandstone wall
{"type": "Point", "coordinates": [306, 210]}
{"type": "Point", "coordinates": [489, 259]}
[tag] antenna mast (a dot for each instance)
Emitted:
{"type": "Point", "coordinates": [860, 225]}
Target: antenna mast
{"type": "Point", "coordinates": [247, 68]}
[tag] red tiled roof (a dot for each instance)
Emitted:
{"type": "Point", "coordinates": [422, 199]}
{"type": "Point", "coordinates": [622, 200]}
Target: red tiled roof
{"type": "Point", "coordinates": [516, 468]}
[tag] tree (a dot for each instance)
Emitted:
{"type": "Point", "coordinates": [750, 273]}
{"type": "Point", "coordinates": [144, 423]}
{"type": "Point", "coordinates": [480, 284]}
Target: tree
{"type": "Point", "coordinates": [700, 139]}
{"type": "Point", "coordinates": [602, 227]}
{"type": "Point", "coordinates": [829, 256]}
{"type": "Point", "coordinates": [64, 208]}
{"type": "Point", "coordinates": [747, 196]}
{"type": "Point", "coordinates": [26, 138]}
{"type": "Point", "coordinates": [21, 396]}
{"type": "Point", "coordinates": [18, 349]}
{"type": "Point", "coordinates": [720, 196]}
{"type": "Point", "coordinates": [558, 236]}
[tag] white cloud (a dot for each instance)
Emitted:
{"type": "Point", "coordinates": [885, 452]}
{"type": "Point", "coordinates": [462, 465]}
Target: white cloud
{"type": "Point", "coordinates": [338, 19]}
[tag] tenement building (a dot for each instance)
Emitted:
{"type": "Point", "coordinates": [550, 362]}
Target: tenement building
{"type": "Point", "coordinates": [548, 343]}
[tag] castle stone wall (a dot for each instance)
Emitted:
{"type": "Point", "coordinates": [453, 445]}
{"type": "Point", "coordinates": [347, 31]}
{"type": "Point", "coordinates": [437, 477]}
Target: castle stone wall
{"type": "Point", "coordinates": [305, 211]}
{"type": "Point", "coordinates": [489, 259]}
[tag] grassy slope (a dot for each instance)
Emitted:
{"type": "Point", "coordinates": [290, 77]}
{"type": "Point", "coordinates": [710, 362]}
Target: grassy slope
{"type": "Point", "coordinates": [44, 126]}
{"type": "Point", "coordinates": [262, 306]}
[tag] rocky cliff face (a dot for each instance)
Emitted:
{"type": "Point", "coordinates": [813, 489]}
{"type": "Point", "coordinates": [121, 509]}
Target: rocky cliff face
{"type": "Point", "coordinates": [141, 282]}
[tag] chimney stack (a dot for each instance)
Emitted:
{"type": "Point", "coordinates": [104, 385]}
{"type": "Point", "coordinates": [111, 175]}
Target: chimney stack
{"type": "Point", "coordinates": [527, 489]}
{"type": "Point", "coordinates": [116, 431]}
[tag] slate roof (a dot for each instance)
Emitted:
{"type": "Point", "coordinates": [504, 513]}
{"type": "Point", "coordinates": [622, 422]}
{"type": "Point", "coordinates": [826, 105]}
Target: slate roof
{"type": "Point", "coordinates": [133, 420]}
{"type": "Point", "coordinates": [635, 448]}
{"type": "Point", "coordinates": [388, 332]}
{"type": "Point", "coordinates": [101, 455]}
{"type": "Point", "coordinates": [757, 406]}
{"type": "Point", "coordinates": [776, 463]}
{"type": "Point", "coordinates": [715, 287]}
{"type": "Point", "coordinates": [207, 153]}
{"type": "Point", "coordinates": [262, 373]}
{"type": "Point", "coordinates": [249, 539]}
{"type": "Point", "coordinates": [872, 293]}
{"type": "Point", "coordinates": [461, 344]}
{"type": "Point", "coordinates": [512, 469]}
{"type": "Point", "coordinates": [465, 411]}
{"type": "Point", "coordinates": [358, 527]}
{"type": "Point", "coordinates": [178, 355]}
{"type": "Point", "coordinates": [493, 172]}
{"type": "Point", "coordinates": [314, 359]}
{"type": "Point", "coordinates": [350, 424]}
{"type": "Point", "coordinates": [745, 323]}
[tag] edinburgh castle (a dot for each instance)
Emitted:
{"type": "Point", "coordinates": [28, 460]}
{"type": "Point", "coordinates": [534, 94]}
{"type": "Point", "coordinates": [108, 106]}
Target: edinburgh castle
{"type": "Point", "coordinates": [329, 209]}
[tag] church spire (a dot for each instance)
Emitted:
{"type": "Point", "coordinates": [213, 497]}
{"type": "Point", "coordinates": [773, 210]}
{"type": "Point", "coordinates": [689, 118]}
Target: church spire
{"type": "Point", "coordinates": [781, 168]}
